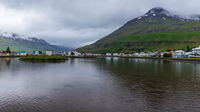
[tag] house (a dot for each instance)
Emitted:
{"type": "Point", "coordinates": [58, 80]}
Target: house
{"type": "Point", "coordinates": [142, 54]}
{"type": "Point", "coordinates": [35, 52]}
{"type": "Point", "coordinates": [115, 54]}
{"type": "Point", "coordinates": [160, 54]}
{"type": "Point", "coordinates": [121, 54]}
{"type": "Point", "coordinates": [171, 52]}
{"type": "Point", "coordinates": [108, 54]}
{"type": "Point", "coordinates": [196, 50]}
{"type": "Point", "coordinates": [136, 54]}
{"type": "Point", "coordinates": [73, 53]}
{"type": "Point", "coordinates": [21, 53]}
{"type": "Point", "coordinates": [150, 54]}
{"type": "Point", "coordinates": [88, 54]}
{"type": "Point", "coordinates": [4, 53]}
{"type": "Point", "coordinates": [180, 54]}
{"type": "Point", "coordinates": [129, 55]}
{"type": "Point", "coordinates": [48, 53]}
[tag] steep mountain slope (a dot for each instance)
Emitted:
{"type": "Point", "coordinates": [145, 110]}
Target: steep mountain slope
{"type": "Point", "coordinates": [155, 30]}
{"type": "Point", "coordinates": [22, 43]}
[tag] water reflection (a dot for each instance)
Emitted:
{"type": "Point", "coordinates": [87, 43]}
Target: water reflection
{"type": "Point", "coordinates": [164, 84]}
{"type": "Point", "coordinates": [96, 85]}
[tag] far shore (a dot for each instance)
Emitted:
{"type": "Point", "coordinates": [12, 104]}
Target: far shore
{"type": "Point", "coordinates": [44, 58]}
{"type": "Point", "coordinates": [10, 56]}
{"type": "Point", "coordinates": [196, 60]}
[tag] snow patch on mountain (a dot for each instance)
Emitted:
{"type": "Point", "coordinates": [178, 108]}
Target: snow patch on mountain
{"type": "Point", "coordinates": [159, 11]}
{"type": "Point", "coordinates": [139, 17]}
{"type": "Point", "coordinates": [164, 18]}
{"type": "Point", "coordinates": [14, 36]}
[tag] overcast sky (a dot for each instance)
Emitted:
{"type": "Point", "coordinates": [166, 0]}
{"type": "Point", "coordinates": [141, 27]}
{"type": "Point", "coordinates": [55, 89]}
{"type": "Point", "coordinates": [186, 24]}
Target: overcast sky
{"type": "Point", "coordinates": [75, 23]}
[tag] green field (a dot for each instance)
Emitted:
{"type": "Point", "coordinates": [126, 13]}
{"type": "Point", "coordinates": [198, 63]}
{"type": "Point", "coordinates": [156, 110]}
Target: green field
{"type": "Point", "coordinates": [44, 58]}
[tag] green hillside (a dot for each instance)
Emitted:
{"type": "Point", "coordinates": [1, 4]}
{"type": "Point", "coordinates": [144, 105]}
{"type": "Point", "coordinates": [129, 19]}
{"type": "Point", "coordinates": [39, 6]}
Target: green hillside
{"type": "Point", "coordinates": [23, 45]}
{"type": "Point", "coordinates": [149, 33]}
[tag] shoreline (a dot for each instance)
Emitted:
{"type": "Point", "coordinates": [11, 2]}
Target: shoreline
{"type": "Point", "coordinates": [11, 56]}
{"type": "Point", "coordinates": [44, 58]}
{"type": "Point", "coordinates": [194, 60]}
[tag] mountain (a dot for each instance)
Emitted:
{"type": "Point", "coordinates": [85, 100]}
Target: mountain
{"type": "Point", "coordinates": [157, 29]}
{"type": "Point", "coordinates": [61, 48]}
{"type": "Point", "coordinates": [18, 42]}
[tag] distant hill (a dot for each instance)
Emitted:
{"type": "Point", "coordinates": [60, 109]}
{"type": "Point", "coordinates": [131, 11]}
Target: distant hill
{"type": "Point", "coordinates": [18, 42]}
{"type": "Point", "coordinates": [61, 48]}
{"type": "Point", "coordinates": [158, 29]}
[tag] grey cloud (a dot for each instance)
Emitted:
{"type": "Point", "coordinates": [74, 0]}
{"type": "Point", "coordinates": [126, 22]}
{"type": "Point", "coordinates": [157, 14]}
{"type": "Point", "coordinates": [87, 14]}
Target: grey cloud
{"type": "Point", "coordinates": [79, 22]}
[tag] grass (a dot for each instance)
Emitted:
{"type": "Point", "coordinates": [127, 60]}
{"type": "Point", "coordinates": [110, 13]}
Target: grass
{"type": "Point", "coordinates": [161, 41]}
{"type": "Point", "coordinates": [23, 45]}
{"type": "Point", "coordinates": [159, 35]}
{"type": "Point", "coordinates": [44, 58]}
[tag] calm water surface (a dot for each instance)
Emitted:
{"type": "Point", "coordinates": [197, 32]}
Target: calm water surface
{"type": "Point", "coordinates": [99, 85]}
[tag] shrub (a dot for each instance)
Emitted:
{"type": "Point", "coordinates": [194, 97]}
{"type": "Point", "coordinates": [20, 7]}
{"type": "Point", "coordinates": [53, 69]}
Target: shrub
{"type": "Point", "coordinates": [167, 55]}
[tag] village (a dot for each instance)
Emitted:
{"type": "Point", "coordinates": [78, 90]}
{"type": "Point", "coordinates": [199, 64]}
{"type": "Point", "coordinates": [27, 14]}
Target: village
{"type": "Point", "coordinates": [174, 54]}
{"type": "Point", "coordinates": [72, 53]}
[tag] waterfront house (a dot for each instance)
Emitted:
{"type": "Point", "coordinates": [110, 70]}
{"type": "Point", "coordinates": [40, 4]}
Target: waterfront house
{"type": "Point", "coordinates": [108, 54]}
{"type": "Point", "coordinates": [121, 54]}
{"type": "Point", "coordinates": [35, 52]}
{"type": "Point", "coordinates": [180, 54]}
{"type": "Point", "coordinates": [171, 52]}
{"type": "Point", "coordinates": [21, 53]}
{"type": "Point", "coordinates": [4, 53]}
{"type": "Point", "coordinates": [135, 54]}
{"type": "Point", "coordinates": [115, 54]}
{"type": "Point", "coordinates": [96, 54]}
{"type": "Point", "coordinates": [87, 54]}
{"type": "Point", "coordinates": [142, 54]}
{"type": "Point", "coordinates": [160, 54]}
{"type": "Point", "coordinates": [48, 53]}
{"type": "Point", "coordinates": [196, 50]}
{"type": "Point", "coordinates": [150, 54]}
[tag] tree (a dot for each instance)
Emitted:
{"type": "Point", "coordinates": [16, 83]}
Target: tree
{"type": "Point", "coordinates": [40, 52]}
{"type": "Point", "coordinates": [72, 53]}
{"type": "Point", "coordinates": [8, 50]}
{"type": "Point", "coordinates": [167, 55]}
{"type": "Point", "coordinates": [188, 48]}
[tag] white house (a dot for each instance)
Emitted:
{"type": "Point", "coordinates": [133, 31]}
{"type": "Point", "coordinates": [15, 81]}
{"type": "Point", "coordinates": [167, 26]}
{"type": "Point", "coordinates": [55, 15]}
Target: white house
{"type": "Point", "coordinates": [150, 54]}
{"type": "Point", "coordinates": [108, 54]}
{"type": "Point", "coordinates": [179, 54]}
{"type": "Point", "coordinates": [136, 54]}
{"type": "Point", "coordinates": [35, 52]}
{"type": "Point", "coordinates": [196, 50]}
{"type": "Point", "coordinates": [21, 53]}
{"type": "Point", "coordinates": [142, 54]}
{"type": "Point", "coordinates": [48, 53]}
{"type": "Point", "coordinates": [121, 54]}
{"type": "Point", "coordinates": [115, 54]}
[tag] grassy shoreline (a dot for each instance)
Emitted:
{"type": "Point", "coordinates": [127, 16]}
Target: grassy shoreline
{"type": "Point", "coordinates": [44, 58]}
{"type": "Point", "coordinates": [63, 58]}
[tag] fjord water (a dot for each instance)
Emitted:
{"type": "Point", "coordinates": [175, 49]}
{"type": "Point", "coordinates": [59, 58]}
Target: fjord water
{"type": "Point", "coordinates": [99, 85]}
